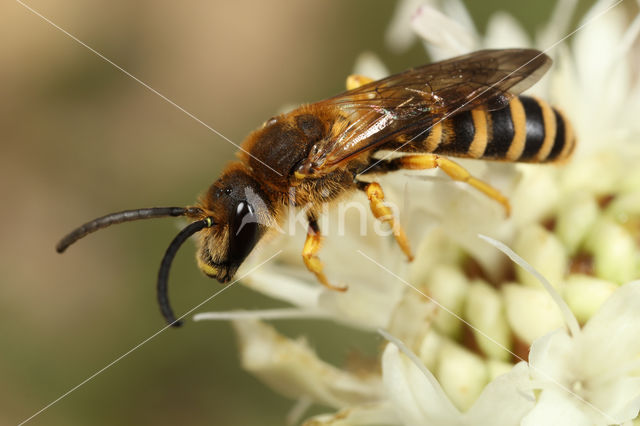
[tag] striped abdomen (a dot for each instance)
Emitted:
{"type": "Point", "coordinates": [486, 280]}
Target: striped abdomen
{"type": "Point", "coordinates": [527, 130]}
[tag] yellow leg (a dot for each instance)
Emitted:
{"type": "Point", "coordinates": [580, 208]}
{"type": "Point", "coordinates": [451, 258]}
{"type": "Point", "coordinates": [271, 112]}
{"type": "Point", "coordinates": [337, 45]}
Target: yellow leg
{"type": "Point", "coordinates": [356, 80]}
{"type": "Point", "coordinates": [455, 172]}
{"type": "Point", "coordinates": [385, 214]}
{"type": "Point", "coordinates": [312, 262]}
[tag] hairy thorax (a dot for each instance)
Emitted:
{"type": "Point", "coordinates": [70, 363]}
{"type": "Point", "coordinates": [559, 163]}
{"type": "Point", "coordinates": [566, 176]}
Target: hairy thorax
{"type": "Point", "coordinates": [278, 149]}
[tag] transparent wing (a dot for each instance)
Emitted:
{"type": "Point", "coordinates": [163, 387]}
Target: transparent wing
{"type": "Point", "coordinates": [414, 100]}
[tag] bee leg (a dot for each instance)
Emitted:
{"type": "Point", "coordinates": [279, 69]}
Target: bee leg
{"type": "Point", "coordinates": [383, 213]}
{"type": "Point", "coordinates": [356, 80]}
{"type": "Point", "coordinates": [312, 262]}
{"type": "Point", "coordinates": [455, 172]}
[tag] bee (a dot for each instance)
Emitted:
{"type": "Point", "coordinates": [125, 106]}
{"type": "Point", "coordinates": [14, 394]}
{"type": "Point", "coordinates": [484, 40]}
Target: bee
{"type": "Point", "coordinates": [467, 106]}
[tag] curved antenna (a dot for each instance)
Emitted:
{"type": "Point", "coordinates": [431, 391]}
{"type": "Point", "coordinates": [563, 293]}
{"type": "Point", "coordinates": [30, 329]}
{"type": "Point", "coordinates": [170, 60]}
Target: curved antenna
{"type": "Point", "coordinates": [124, 216]}
{"type": "Point", "coordinates": [165, 265]}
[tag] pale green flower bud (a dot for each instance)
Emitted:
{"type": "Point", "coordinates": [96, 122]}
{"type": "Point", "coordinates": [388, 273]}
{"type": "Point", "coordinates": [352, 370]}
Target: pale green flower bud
{"type": "Point", "coordinates": [429, 350]}
{"type": "Point", "coordinates": [614, 251]}
{"type": "Point", "coordinates": [531, 312]}
{"type": "Point", "coordinates": [462, 375]}
{"type": "Point", "coordinates": [544, 252]}
{"type": "Point", "coordinates": [585, 294]}
{"type": "Point", "coordinates": [576, 216]}
{"type": "Point", "coordinates": [624, 206]}
{"type": "Point", "coordinates": [485, 312]}
{"type": "Point", "coordinates": [448, 286]}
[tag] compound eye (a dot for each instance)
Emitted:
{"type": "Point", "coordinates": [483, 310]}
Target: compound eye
{"type": "Point", "coordinates": [244, 232]}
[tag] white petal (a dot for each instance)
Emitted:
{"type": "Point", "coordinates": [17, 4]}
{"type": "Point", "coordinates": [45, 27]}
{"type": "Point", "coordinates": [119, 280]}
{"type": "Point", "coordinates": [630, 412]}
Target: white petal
{"type": "Point", "coordinates": [504, 31]}
{"type": "Point", "coordinates": [504, 401]}
{"type": "Point", "coordinates": [548, 358]}
{"type": "Point", "coordinates": [554, 408]}
{"type": "Point", "coordinates": [603, 35]}
{"type": "Point", "coordinates": [566, 93]}
{"type": "Point", "coordinates": [277, 281]}
{"type": "Point", "coordinates": [619, 399]}
{"type": "Point", "coordinates": [558, 26]}
{"type": "Point", "coordinates": [418, 400]}
{"type": "Point", "coordinates": [368, 308]}
{"type": "Point", "coordinates": [610, 338]}
{"type": "Point", "coordinates": [293, 369]}
{"type": "Point", "coordinates": [263, 314]}
{"type": "Point", "coordinates": [437, 29]}
{"type": "Point", "coordinates": [369, 65]}
{"type": "Point", "coordinates": [399, 36]}
{"type": "Point", "coordinates": [456, 10]}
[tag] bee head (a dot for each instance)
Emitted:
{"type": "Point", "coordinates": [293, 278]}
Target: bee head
{"type": "Point", "coordinates": [240, 214]}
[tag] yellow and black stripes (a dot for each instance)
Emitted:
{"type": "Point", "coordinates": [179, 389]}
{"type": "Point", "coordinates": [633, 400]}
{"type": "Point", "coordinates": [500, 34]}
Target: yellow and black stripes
{"type": "Point", "coordinates": [527, 130]}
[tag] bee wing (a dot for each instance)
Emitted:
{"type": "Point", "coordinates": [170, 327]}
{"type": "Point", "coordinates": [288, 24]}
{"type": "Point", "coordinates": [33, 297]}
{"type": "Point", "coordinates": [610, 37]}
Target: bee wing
{"type": "Point", "coordinates": [414, 100]}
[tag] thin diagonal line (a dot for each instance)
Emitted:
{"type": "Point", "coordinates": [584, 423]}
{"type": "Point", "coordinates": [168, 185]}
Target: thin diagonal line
{"type": "Point", "coordinates": [141, 343]}
{"type": "Point", "coordinates": [387, 155]}
{"type": "Point", "coordinates": [551, 379]}
{"type": "Point", "coordinates": [101, 56]}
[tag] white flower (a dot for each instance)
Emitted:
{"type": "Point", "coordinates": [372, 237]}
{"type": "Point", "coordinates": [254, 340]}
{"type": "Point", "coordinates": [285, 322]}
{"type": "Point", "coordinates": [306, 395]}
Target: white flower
{"type": "Point", "coordinates": [591, 378]}
{"type": "Point", "coordinates": [598, 366]}
{"type": "Point", "coordinates": [588, 375]}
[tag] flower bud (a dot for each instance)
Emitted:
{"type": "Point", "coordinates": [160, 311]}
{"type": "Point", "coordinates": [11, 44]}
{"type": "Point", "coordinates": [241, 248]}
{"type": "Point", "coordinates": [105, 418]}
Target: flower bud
{"type": "Point", "coordinates": [576, 215]}
{"type": "Point", "coordinates": [448, 286]}
{"type": "Point", "coordinates": [531, 312]}
{"type": "Point", "coordinates": [485, 312]}
{"type": "Point", "coordinates": [544, 252]}
{"type": "Point", "coordinates": [462, 375]}
{"type": "Point", "coordinates": [624, 206]}
{"type": "Point", "coordinates": [429, 350]}
{"type": "Point", "coordinates": [614, 251]}
{"type": "Point", "coordinates": [585, 294]}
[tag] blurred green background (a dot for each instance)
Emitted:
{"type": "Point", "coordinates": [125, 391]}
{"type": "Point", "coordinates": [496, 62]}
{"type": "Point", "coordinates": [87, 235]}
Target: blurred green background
{"type": "Point", "coordinates": [81, 139]}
